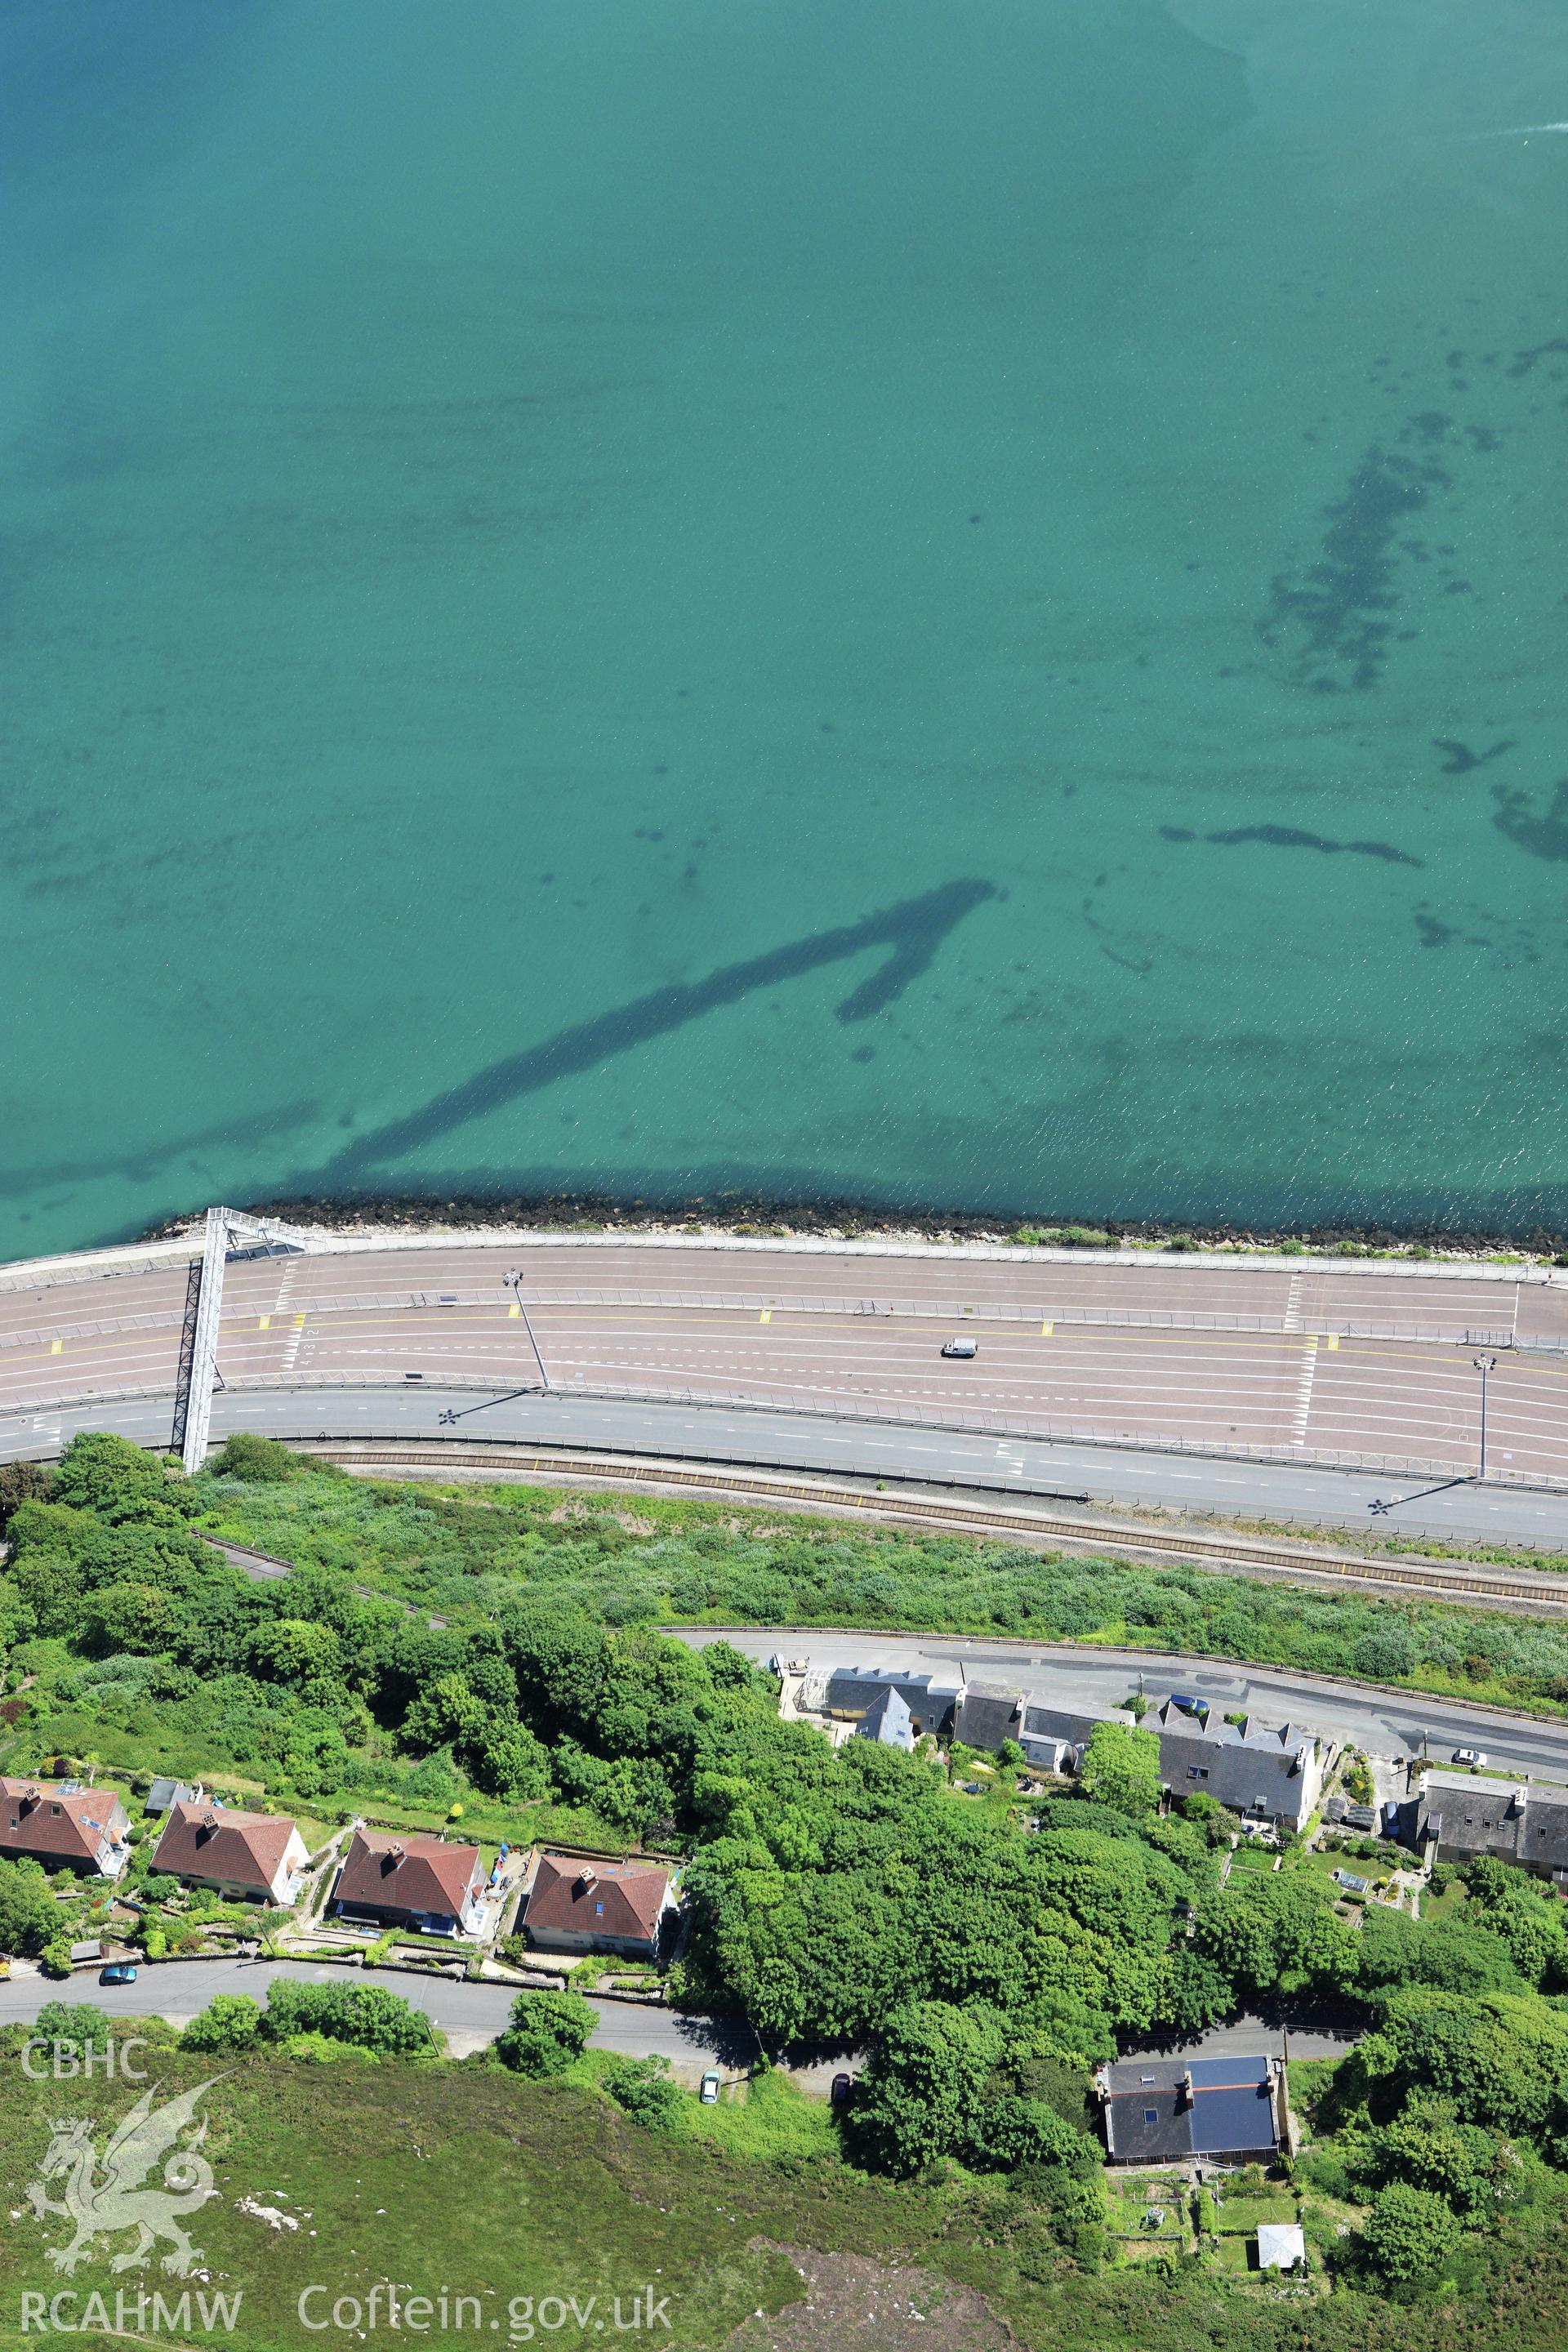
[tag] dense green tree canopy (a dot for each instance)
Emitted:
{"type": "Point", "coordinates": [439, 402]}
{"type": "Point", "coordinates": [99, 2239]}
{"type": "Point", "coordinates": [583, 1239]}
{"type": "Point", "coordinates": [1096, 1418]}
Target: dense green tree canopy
{"type": "Point", "coordinates": [1498, 2060]}
{"type": "Point", "coordinates": [1409, 2233]}
{"type": "Point", "coordinates": [231, 2021]}
{"type": "Point", "coordinates": [643, 2088]}
{"type": "Point", "coordinates": [27, 1908]}
{"type": "Point", "coordinates": [72, 2027]}
{"type": "Point", "coordinates": [548, 2032]}
{"type": "Point", "coordinates": [365, 2014]}
{"type": "Point", "coordinates": [923, 2091]}
{"type": "Point", "coordinates": [1122, 1769]}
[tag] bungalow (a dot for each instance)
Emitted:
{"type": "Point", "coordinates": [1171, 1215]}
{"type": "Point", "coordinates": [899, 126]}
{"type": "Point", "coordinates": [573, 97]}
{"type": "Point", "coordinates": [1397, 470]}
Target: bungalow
{"type": "Point", "coordinates": [418, 1882]}
{"type": "Point", "coordinates": [581, 1903]}
{"type": "Point", "coordinates": [62, 1824]}
{"type": "Point", "coordinates": [1165, 2110]}
{"type": "Point", "coordinates": [257, 1857]}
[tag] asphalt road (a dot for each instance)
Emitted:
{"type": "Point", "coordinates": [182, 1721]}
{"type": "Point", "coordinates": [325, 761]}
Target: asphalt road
{"type": "Point", "coordinates": [470, 2013]}
{"type": "Point", "coordinates": [824, 1441]}
{"type": "Point", "coordinates": [177, 1989]}
{"type": "Point", "coordinates": [1315, 1362]}
{"type": "Point", "coordinates": [1378, 1721]}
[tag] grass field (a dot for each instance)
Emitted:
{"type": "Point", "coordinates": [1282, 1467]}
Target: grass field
{"type": "Point", "coordinates": [465, 2179]}
{"type": "Point", "coordinates": [1239, 2216]}
{"type": "Point", "coordinates": [1252, 1862]}
{"type": "Point", "coordinates": [1453, 1898]}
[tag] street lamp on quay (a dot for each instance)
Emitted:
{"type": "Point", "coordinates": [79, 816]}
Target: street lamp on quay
{"type": "Point", "coordinates": [449, 1418]}
{"type": "Point", "coordinates": [515, 1279]}
{"type": "Point", "coordinates": [1485, 1366]}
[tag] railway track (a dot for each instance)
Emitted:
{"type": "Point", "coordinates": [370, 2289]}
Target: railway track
{"type": "Point", "coordinates": [1479, 1587]}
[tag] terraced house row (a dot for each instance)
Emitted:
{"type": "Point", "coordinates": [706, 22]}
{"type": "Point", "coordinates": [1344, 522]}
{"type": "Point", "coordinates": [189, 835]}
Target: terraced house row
{"type": "Point", "coordinates": [1272, 1772]}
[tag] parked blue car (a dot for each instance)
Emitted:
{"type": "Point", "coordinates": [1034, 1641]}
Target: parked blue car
{"type": "Point", "coordinates": [118, 1972]}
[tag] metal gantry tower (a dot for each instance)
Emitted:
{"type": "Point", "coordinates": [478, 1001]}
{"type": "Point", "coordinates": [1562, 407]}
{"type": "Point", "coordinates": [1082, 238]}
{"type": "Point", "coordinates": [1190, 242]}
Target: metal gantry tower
{"type": "Point", "coordinates": [199, 1373]}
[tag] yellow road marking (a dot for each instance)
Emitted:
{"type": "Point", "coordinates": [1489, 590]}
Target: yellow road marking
{"type": "Point", "coordinates": [676, 1319]}
{"type": "Point", "coordinates": [766, 1316]}
{"type": "Point", "coordinates": [513, 1311]}
{"type": "Point", "coordinates": [1376, 1354]}
{"type": "Point", "coordinates": [264, 1322]}
{"type": "Point", "coordinates": [1045, 1330]}
{"type": "Point", "coordinates": [55, 1347]}
{"type": "Point", "coordinates": [1334, 1338]}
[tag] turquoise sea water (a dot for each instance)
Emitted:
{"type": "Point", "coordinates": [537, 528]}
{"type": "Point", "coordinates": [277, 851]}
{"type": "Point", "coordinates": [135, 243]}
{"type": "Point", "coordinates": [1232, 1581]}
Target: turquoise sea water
{"type": "Point", "coordinates": [961, 605]}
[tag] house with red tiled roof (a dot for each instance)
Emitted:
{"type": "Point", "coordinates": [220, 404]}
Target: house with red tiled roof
{"type": "Point", "coordinates": [63, 1825]}
{"type": "Point", "coordinates": [255, 1857]}
{"type": "Point", "coordinates": [583, 1903]}
{"type": "Point", "coordinates": [405, 1881]}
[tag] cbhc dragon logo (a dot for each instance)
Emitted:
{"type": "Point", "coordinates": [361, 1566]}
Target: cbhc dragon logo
{"type": "Point", "coordinates": [100, 2205]}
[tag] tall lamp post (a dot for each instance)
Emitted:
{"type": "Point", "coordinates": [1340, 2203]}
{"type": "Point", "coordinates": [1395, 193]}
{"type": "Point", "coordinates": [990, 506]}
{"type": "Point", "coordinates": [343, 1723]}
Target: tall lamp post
{"type": "Point", "coordinates": [1485, 1366]}
{"type": "Point", "coordinates": [453, 1413]}
{"type": "Point", "coordinates": [1380, 1509]}
{"type": "Point", "coordinates": [516, 1282]}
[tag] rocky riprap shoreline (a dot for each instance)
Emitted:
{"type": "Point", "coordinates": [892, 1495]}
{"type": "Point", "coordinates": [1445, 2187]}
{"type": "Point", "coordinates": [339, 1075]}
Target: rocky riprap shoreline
{"type": "Point", "coordinates": [723, 1215]}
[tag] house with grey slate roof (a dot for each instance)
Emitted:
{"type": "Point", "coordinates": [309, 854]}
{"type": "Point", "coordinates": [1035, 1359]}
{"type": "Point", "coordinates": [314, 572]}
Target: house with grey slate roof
{"type": "Point", "coordinates": [854, 1691]}
{"type": "Point", "coordinates": [989, 1713]}
{"type": "Point", "coordinates": [1461, 1815]}
{"type": "Point", "coordinates": [1054, 1738]}
{"type": "Point", "coordinates": [1272, 1770]}
{"type": "Point", "coordinates": [887, 1721]}
{"type": "Point", "coordinates": [1167, 2110]}
{"type": "Point", "coordinates": [165, 1794]}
